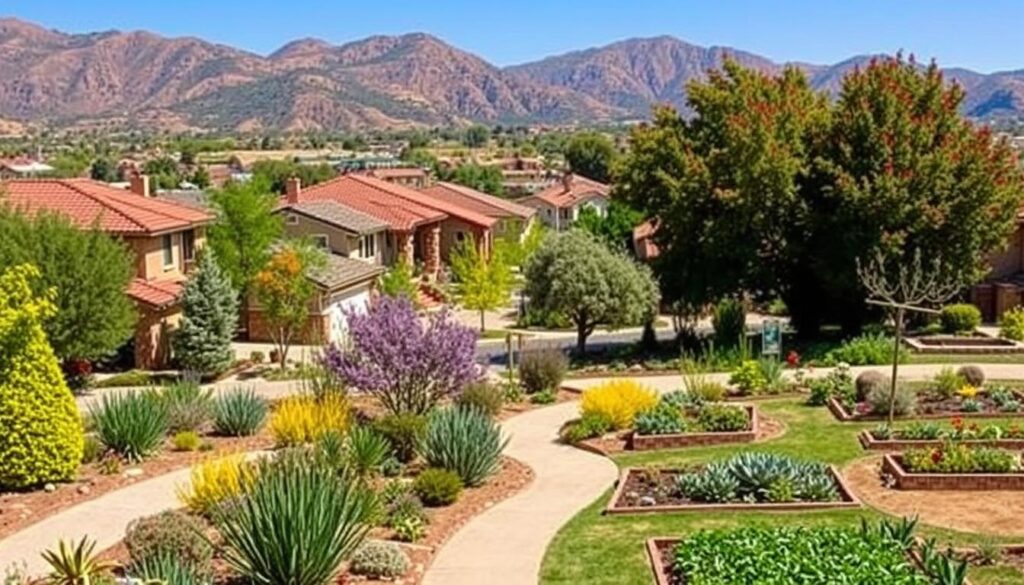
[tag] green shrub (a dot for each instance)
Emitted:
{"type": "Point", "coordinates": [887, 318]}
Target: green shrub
{"type": "Point", "coordinates": [131, 423]}
{"type": "Point", "coordinates": [41, 438]}
{"type": "Point", "coordinates": [663, 419]}
{"type": "Point", "coordinates": [365, 452]}
{"type": "Point", "coordinates": [722, 418]}
{"type": "Point", "coordinates": [165, 568]}
{"type": "Point", "coordinates": [239, 413]}
{"type": "Point", "coordinates": [972, 375]}
{"type": "Point", "coordinates": [186, 441]}
{"type": "Point", "coordinates": [771, 373]}
{"type": "Point", "coordinates": [729, 321]}
{"type": "Point", "coordinates": [188, 406]}
{"type": "Point", "coordinates": [946, 382]}
{"type": "Point", "coordinates": [542, 370]}
{"type": "Point", "coordinates": [257, 357]}
{"type": "Point", "coordinates": [960, 318]}
{"type": "Point", "coordinates": [92, 449]}
{"type": "Point", "coordinates": [129, 379]}
{"type": "Point", "coordinates": [543, 397]}
{"type": "Point", "coordinates": [1011, 324]}
{"type": "Point", "coordinates": [865, 350]}
{"type": "Point", "coordinates": [905, 403]}
{"type": "Point", "coordinates": [379, 559]}
{"type": "Point", "coordinates": [437, 487]}
{"type": "Point", "coordinates": [750, 475]}
{"type": "Point", "coordinates": [960, 458]}
{"type": "Point", "coordinates": [173, 533]}
{"type": "Point", "coordinates": [588, 426]}
{"type": "Point", "coordinates": [295, 524]}
{"type": "Point", "coordinates": [410, 529]}
{"type": "Point", "coordinates": [404, 432]}
{"type": "Point", "coordinates": [464, 441]}
{"type": "Point", "coordinates": [748, 378]}
{"type": "Point", "coordinates": [869, 381]}
{"type": "Point", "coordinates": [484, 396]}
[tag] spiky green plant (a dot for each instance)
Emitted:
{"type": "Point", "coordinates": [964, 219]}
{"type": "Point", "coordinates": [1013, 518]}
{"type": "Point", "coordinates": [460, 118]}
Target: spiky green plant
{"type": "Point", "coordinates": [188, 405]}
{"type": "Point", "coordinates": [239, 413]}
{"type": "Point", "coordinates": [295, 524]}
{"type": "Point", "coordinates": [132, 424]}
{"type": "Point", "coordinates": [464, 441]}
{"type": "Point", "coordinates": [167, 568]}
{"type": "Point", "coordinates": [75, 564]}
{"type": "Point", "coordinates": [365, 452]}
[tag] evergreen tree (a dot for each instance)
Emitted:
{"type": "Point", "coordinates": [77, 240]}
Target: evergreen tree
{"type": "Point", "coordinates": [210, 305]}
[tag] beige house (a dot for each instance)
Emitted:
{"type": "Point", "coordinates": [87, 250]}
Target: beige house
{"type": "Point", "coordinates": [560, 205]}
{"type": "Point", "coordinates": [1003, 288]}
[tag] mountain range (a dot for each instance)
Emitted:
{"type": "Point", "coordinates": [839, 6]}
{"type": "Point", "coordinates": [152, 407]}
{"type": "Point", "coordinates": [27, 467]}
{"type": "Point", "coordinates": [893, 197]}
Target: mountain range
{"type": "Point", "coordinates": [140, 79]}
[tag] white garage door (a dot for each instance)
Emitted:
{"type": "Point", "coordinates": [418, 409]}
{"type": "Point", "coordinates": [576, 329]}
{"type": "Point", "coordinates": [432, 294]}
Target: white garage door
{"type": "Point", "coordinates": [355, 299]}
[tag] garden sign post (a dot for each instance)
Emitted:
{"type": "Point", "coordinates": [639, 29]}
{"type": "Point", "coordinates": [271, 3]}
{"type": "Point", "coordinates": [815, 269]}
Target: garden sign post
{"type": "Point", "coordinates": [771, 337]}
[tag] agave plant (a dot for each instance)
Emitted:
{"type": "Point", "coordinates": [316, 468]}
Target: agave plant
{"type": "Point", "coordinates": [465, 441]}
{"type": "Point", "coordinates": [131, 423]}
{"type": "Point", "coordinates": [239, 413]}
{"type": "Point", "coordinates": [75, 564]}
{"type": "Point", "coordinates": [901, 532]}
{"type": "Point", "coordinates": [365, 452]}
{"type": "Point", "coordinates": [713, 484]}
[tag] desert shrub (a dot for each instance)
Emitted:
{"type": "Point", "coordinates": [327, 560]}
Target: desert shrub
{"type": "Point", "coordinates": [171, 533]}
{"type": "Point", "coordinates": [365, 452]}
{"type": "Point", "coordinates": [303, 419]}
{"type": "Point", "coordinates": [906, 401]}
{"type": "Point", "coordinates": [663, 419]}
{"type": "Point", "coordinates": [437, 487]}
{"type": "Point", "coordinates": [404, 432]}
{"type": "Point", "coordinates": [588, 426]}
{"type": "Point", "coordinates": [130, 423]}
{"type": "Point", "coordinates": [619, 401]}
{"type": "Point", "coordinates": [186, 441]}
{"type": "Point", "coordinates": [464, 441]}
{"type": "Point", "coordinates": [946, 382]}
{"type": "Point", "coordinates": [215, 481]}
{"type": "Point", "coordinates": [257, 357]}
{"type": "Point", "coordinates": [484, 396]}
{"type": "Point", "coordinates": [238, 413]}
{"type": "Point", "coordinates": [379, 559]}
{"type": "Point", "coordinates": [92, 449]}
{"type": "Point", "coordinates": [704, 390]}
{"type": "Point", "coordinates": [410, 529]}
{"type": "Point", "coordinates": [1011, 324]}
{"type": "Point", "coordinates": [729, 321]}
{"type": "Point", "coordinates": [973, 375]}
{"type": "Point", "coordinates": [545, 397]}
{"type": "Point", "coordinates": [188, 406]}
{"type": "Point", "coordinates": [865, 350]}
{"type": "Point", "coordinates": [960, 318]}
{"type": "Point", "coordinates": [722, 418]}
{"type": "Point", "coordinates": [868, 381]}
{"type": "Point", "coordinates": [295, 523]}
{"type": "Point", "coordinates": [748, 377]}
{"type": "Point", "coordinates": [542, 370]}
{"type": "Point", "coordinates": [771, 373]}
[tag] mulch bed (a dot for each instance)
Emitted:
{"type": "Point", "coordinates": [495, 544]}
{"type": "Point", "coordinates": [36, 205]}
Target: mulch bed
{"type": "Point", "coordinates": [893, 466]}
{"type": "Point", "coordinates": [767, 429]}
{"type": "Point", "coordinates": [927, 408]}
{"type": "Point", "coordinates": [511, 409]}
{"type": "Point", "coordinates": [896, 444]}
{"type": "Point", "coordinates": [19, 510]}
{"type": "Point", "coordinates": [645, 491]}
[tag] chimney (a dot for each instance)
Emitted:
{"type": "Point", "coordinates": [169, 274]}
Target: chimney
{"type": "Point", "coordinates": [292, 189]}
{"type": "Point", "coordinates": [139, 184]}
{"type": "Point", "coordinates": [567, 181]}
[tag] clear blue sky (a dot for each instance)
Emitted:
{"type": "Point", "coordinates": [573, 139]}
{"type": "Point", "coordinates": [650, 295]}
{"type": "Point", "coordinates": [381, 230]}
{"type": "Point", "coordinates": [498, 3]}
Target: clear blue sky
{"type": "Point", "coordinates": [985, 35]}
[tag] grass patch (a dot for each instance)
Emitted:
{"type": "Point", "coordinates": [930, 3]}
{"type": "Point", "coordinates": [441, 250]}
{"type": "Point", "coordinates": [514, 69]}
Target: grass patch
{"type": "Point", "coordinates": [131, 378]}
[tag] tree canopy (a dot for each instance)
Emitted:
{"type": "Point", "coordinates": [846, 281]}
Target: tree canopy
{"type": "Point", "coordinates": [480, 177]}
{"type": "Point", "coordinates": [592, 155]}
{"type": "Point", "coordinates": [483, 283]}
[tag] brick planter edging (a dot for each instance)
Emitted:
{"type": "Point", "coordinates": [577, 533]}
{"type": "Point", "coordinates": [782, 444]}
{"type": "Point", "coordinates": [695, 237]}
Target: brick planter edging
{"type": "Point", "coordinates": [843, 415]}
{"type": "Point", "coordinates": [638, 442]}
{"type": "Point", "coordinates": [847, 499]}
{"type": "Point", "coordinates": [896, 445]}
{"type": "Point", "coordinates": [906, 480]}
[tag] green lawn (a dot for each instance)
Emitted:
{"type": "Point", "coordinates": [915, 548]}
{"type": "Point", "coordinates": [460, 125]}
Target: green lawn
{"type": "Point", "coordinates": [596, 549]}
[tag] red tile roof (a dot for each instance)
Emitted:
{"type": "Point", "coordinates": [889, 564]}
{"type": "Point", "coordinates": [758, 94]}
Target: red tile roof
{"type": "Point", "coordinates": [578, 189]}
{"type": "Point", "coordinates": [156, 293]}
{"type": "Point", "coordinates": [401, 207]}
{"type": "Point", "coordinates": [86, 202]}
{"type": "Point", "coordinates": [397, 172]}
{"type": "Point", "coordinates": [477, 201]}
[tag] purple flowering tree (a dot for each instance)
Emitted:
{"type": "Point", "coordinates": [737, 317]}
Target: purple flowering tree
{"type": "Point", "coordinates": [409, 365]}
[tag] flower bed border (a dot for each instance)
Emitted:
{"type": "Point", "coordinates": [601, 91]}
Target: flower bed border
{"type": "Point", "coordinates": [847, 499]}
{"type": "Point", "coordinates": [870, 443]}
{"type": "Point", "coordinates": [638, 442]}
{"type": "Point", "coordinates": [905, 480]}
{"type": "Point", "coordinates": [843, 415]}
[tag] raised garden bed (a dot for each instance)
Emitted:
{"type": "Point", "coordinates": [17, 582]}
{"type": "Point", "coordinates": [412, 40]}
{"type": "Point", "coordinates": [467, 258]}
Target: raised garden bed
{"type": "Point", "coordinates": [639, 442]}
{"type": "Point", "coordinates": [892, 465]}
{"type": "Point", "coordinates": [635, 494]}
{"type": "Point", "coordinates": [896, 444]}
{"type": "Point", "coordinates": [967, 344]}
{"type": "Point", "coordinates": [927, 409]}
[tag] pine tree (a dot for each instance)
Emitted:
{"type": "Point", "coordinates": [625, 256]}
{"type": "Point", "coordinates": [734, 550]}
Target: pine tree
{"type": "Point", "coordinates": [210, 309]}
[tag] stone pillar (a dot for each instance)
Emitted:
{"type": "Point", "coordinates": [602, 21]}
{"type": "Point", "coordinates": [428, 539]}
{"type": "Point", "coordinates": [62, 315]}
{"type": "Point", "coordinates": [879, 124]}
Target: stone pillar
{"type": "Point", "coordinates": [432, 250]}
{"type": "Point", "coordinates": [405, 246]}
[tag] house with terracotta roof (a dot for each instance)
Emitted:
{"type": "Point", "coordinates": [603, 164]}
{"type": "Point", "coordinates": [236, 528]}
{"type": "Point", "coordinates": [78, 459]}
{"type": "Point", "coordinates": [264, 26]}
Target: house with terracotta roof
{"type": "Point", "coordinates": [21, 168]}
{"type": "Point", "coordinates": [559, 205]}
{"type": "Point", "coordinates": [413, 177]}
{"type": "Point", "coordinates": [162, 235]}
{"type": "Point", "coordinates": [513, 219]}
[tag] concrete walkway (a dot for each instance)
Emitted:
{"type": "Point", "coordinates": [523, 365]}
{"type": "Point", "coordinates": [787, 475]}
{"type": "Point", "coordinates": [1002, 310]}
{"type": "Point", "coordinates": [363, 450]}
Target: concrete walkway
{"type": "Point", "coordinates": [506, 543]}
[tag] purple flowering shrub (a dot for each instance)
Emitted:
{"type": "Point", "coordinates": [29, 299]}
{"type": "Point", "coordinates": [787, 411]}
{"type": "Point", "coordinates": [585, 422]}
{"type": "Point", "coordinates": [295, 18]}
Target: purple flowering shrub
{"type": "Point", "coordinates": [407, 364]}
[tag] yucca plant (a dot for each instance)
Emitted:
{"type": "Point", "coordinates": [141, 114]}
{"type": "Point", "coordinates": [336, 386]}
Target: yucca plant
{"type": "Point", "coordinates": [239, 413]}
{"type": "Point", "coordinates": [168, 569]}
{"type": "Point", "coordinates": [901, 532]}
{"type": "Point", "coordinates": [132, 424]}
{"type": "Point", "coordinates": [295, 524]}
{"type": "Point", "coordinates": [188, 405]}
{"type": "Point", "coordinates": [465, 441]}
{"type": "Point", "coordinates": [365, 452]}
{"type": "Point", "coordinates": [75, 564]}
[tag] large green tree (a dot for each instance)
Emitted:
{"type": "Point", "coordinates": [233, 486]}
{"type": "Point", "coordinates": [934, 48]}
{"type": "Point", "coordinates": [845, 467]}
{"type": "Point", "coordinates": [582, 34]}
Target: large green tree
{"type": "Point", "coordinates": [89, 272]}
{"type": "Point", "coordinates": [614, 226]}
{"type": "Point", "coordinates": [480, 177]}
{"type": "Point", "coordinates": [575, 274]}
{"type": "Point", "coordinates": [210, 316]}
{"type": "Point", "coordinates": [592, 155]}
{"type": "Point", "coordinates": [275, 173]}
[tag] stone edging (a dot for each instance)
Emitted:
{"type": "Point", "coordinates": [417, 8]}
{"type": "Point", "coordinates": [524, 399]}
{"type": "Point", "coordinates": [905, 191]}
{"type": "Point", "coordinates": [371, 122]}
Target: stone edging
{"type": "Point", "coordinates": [906, 480]}
{"type": "Point", "coordinates": [843, 415]}
{"type": "Point", "coordinates": [870, 443]}
{"type": "Point", "coordinates": [638, 442]}
{"type": "Point", "coordinates": [847, 500]}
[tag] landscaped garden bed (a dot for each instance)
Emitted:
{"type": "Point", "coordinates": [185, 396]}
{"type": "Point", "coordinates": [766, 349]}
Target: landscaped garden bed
{"type": "Point", "coordinates": [709, 424]}
{"type": "Point", "coordinates": [977, 343]}
{"type": "Point", "coordinates": [923, 434]}
{"type": "Point", "coordinates": [954, 467]}
{"type": "Point", "coordinates": [747, 481]}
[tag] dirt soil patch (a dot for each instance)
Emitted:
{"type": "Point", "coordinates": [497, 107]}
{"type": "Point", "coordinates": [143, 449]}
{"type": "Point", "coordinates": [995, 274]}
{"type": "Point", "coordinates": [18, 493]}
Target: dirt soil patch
{"type": "Point", "coordinates": [989, 512]}
{"type": "Point", "coordinates": [767, 430]}
{"type": "Point", "coordinates": [512, 409]}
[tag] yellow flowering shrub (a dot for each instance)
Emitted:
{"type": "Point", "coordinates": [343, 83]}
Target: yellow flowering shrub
{"type": "Point", "coordinates": [41, 438]}
{"type": "Point", "coordinates": [304, 419]}
{"type": "Point", "coordinates": [619, 401]}
{"type": "Point", "coordinates": [214, 481]}
{"type": "Point", "coordinates": [968, 391]}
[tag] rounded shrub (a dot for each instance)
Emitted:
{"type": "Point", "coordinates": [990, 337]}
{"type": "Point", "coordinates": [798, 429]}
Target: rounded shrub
{"type": "Point", "coordinates": [173, 533]}
{"type": "Point", "coordinates": [729, 321]}
{"type": "Point", "coordinates": [542, 370]}
{"type": "Point", "coordinates": [41, 439]}
{"type": "Point", "coordinates": [1011, 324]}
{"type": "Point", "coordinates": [304, 419]}
{"type": "Point", "coordinates": [971, 374]}
{"type": "Point", "coordinates": [960, 318]}
{"type": "Point", "coordinates": [619, 401]}
{"type": "Point", "coordinates": [404, 432]}
{"type": "Point", "coordinates": [239, 413]}
{"type": "Point", "coordinates": [484, 396]}
{"type": "Point", "coordinates": [378, 559]}
{"type": "Point", "coordinates": [437, 487]}
{"type": "Point", "coordinates": [186, 441]}
{"type": "Point", "coordinates": [905, 403]}
{"type": "Point", "coordinates": [869, 381]}
{"type": "Point", "coordinates": [464, 441]}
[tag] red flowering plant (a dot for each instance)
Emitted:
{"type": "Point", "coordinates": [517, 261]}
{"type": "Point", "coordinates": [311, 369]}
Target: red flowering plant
{"type": "Point", "coordinates": [793, 359]}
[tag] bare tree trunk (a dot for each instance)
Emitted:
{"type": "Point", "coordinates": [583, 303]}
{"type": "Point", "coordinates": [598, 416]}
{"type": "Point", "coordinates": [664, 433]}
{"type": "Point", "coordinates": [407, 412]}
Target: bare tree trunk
{"type": "Point", "coordinates": [482, 327]}
{"type": "Point", "coordinates": [897, 339]}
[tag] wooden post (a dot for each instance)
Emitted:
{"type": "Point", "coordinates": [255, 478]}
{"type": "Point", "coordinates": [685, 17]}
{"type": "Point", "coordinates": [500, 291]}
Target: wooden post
{"type": "Point", "coordinates": [898, 338]}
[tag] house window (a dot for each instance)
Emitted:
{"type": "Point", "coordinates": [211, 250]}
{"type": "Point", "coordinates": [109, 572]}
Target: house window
{"type": "Point", "coordinates": [168, 250]}
{"type": "Point", "coordinates": [460, 237]}
{"type": "Point", "coordinates": [188, 245]}
{"type": "Point", "coordinates": [320, 241]}
{"type": "Point", "coordinates": [368, 246]}
{"type": "Point", "coordinates": [293, 219]}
